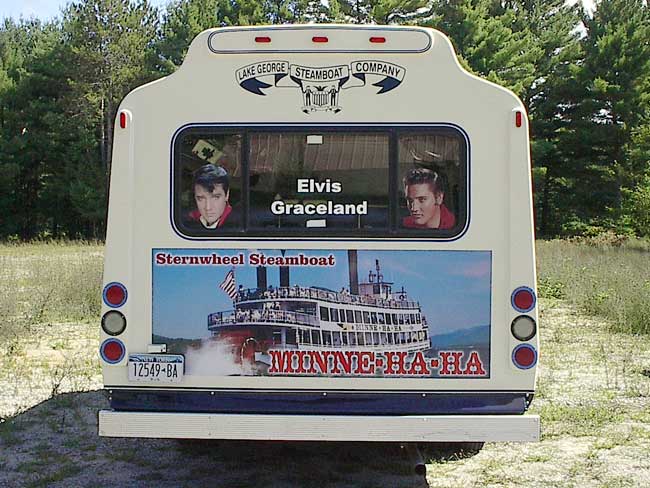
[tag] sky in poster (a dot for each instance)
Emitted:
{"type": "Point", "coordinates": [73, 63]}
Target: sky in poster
{"type": "Point", "coordinates": [453, 287]}
{"type": "Point", "coordinates": [48, 9]}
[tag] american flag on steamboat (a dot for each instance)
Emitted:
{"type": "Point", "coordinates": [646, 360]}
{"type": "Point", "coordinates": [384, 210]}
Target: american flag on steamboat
{"type": "Point", "coordinates": [228, 284]}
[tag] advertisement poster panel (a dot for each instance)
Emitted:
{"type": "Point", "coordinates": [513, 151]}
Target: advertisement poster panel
{"type": "Point", "coordinates": [333, 313]}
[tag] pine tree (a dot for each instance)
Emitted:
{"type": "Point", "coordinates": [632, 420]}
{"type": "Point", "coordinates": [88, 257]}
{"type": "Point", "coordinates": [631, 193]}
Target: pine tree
{"type": "Point", "coordinates": [615, 82]}
{"type": "Point", "coordinates": [553, 27]}
{"type": "Point", "coordinates": [382, 11]}
{"type": "Point", "coordinates": [111, 40]}
{"type": "Point", "coordinates": [185, 19]}
{"type": "Point", "coordinates": [486, 42]}
{"type": "Point", "coordinates": [25, 145]}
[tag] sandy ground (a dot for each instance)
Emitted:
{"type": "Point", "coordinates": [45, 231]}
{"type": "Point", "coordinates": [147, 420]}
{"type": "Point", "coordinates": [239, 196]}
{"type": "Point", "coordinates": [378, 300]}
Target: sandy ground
{"type": "Point", "coordinates": [593, 396]}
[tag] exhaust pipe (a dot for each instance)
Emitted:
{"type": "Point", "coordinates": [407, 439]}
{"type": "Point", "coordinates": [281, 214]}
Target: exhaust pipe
{"type": "Point", "coordinates": [415, 457]}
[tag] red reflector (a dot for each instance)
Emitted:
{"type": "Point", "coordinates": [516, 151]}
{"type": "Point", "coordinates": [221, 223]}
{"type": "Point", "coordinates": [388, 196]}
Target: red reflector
{"type": "Point", "coordinates": [319, 39]}
{"type": "Point", "coordinates": [113, 351]}
{"type": "Point", "coordinates": [123, 120]}
{"type": "Point", "coordinates": [524, 356]}
{"type": "Point", "coordinates": [379, 40]}
{"type": "Point", "coordinates": [524, 300]}
{"type": "Point", "coordinates": [262, 39]}
{"type": "Point", "coordinates": [115, 295]}
{"type": "Point", "coordinates": [518, 119]}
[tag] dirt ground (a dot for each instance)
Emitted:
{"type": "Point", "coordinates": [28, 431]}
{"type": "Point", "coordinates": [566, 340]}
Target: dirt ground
{"type": "Point", "coordinates": [593, 396]}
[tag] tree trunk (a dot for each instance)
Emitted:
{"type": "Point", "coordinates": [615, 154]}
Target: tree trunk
{"type": "Point", "coordinates": [102, 141]}
{"type": "Point", "coordinates": [110, 129]}
{"type": "Point", "coordinates": [545, 204]}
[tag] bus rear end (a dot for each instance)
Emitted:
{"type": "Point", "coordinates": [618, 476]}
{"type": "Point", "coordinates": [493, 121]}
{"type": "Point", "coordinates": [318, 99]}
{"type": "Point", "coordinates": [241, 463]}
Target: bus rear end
{"type": "Point", "coordinates": [320, 233]}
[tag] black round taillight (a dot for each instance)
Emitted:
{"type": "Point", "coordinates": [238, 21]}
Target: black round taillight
{"type": "Point", "coordinates": [113, 323]}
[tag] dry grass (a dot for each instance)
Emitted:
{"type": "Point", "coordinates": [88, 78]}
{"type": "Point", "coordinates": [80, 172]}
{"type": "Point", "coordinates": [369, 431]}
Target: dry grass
{"type": "Point", "coordinates": [593, 396]}
{"type": "Point", "coordinates": [51, 359]}
{"type": "Point", "coordinates": [606, 276]}
{"type": "Point", "coordinates": [44, 283]}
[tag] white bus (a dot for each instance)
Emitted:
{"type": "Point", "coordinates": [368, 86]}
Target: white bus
{"type": "Point", "coordinates": [320, 232]}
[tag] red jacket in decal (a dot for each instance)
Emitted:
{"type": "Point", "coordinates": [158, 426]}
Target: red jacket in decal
{"type": "Point", "coordinates": [447, 220]}
{"type": "Point", "coordinates": [195, 216]}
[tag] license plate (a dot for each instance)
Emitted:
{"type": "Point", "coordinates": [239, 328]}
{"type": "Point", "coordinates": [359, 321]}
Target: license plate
{"type": "Point", "coordinates": [152, 368]}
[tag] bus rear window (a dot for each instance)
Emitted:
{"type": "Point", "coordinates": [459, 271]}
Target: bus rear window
{"type": "Point", "coordinates": [207, 177]}
{"type": "Point", "coordinates": [383, 182]}
{"type": "Point", "coordinates": [318, 181]}
{"type": "Point", "coordinates": [432, 182]}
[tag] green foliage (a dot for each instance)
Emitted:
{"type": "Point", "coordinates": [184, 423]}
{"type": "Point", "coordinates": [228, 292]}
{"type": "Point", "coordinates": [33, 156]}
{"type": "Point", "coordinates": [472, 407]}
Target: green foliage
{"type": "Point", "coordinates": [637, 206]}
{"type": "Point", "coordinates": [587, 91]}
{"type": "Point", "coordinates": [185, 19]}
{"type": "Point", "coordinates": [611, 93]}
{"type": "Point", "coordinates": [489, 42]}
{"type": "Point", "coordinates": [381, 11]}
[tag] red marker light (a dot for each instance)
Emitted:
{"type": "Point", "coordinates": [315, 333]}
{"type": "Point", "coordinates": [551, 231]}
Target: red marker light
{"type": "Point", "coordinates": [523, 299]}
{"type": "Point", "coordinates": [379, 40]}
{"type": "Point", "coordinates": [319, 39]}
{"type": "Point", "coordinates": [115, 294]}
{"type": "Point", "coordinates": [123, 120]}
{"type": "Point", "coordinates": [524, 356]}
{"type": "Point", "coordinates": [263, 39]}
{"type": "Point", "coordinates": [112, 351]}
{"type": "Point", "coordinates": [518, 119]}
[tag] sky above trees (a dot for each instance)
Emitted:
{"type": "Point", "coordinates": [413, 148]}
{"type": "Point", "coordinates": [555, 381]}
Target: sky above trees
{"type": "Point", "coordinates": [43, 9]}
{"type": "Point", "coordinates": [47, 9]}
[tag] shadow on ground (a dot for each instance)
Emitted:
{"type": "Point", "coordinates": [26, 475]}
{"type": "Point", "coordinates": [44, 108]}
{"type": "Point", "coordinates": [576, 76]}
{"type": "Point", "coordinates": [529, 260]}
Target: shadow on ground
{"type": "Point", "coordinates": [56, 444]}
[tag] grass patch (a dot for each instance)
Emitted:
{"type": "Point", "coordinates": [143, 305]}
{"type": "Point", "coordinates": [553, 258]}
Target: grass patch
{"type": "Point", "coordinates": [578, 420]}
{"type": "Point", "coordinates": [134, 456]}
{"type": "Point", "coordinates": [604, 277]}
{"type": "Point", "coordinates": [48, 282]}
{"type": "Point", "coordinates": [63, 472]}
{"type": "Point", "coordinates": [152, 476]}
{"type": "Point", "coordinates": [9, 430]}
{"type": "Point", "coordinates": [46, 291]}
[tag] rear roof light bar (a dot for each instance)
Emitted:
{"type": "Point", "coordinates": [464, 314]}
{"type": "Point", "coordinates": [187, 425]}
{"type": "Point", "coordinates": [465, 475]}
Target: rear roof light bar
{"type": "Point", "coordinates": [320, 39]}
{"type": "Point", "coordinates": [323, 39]}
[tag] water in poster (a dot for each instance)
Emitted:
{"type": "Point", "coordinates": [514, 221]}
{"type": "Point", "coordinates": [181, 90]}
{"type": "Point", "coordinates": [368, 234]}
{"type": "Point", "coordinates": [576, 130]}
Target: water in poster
{"type": "Point", "coordinates": [356, 313]}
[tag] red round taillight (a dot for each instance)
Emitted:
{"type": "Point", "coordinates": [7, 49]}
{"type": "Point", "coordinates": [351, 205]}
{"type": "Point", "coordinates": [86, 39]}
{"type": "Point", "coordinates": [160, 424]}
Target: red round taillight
{"type": "Point", "coordinates": [115, 294]}
{"type": "Point", "coordinates": [112, 351]}
{"type": "Point", "coordinates": [523, 299]}
{"type": "Point", "coordinates": [524, 356]}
